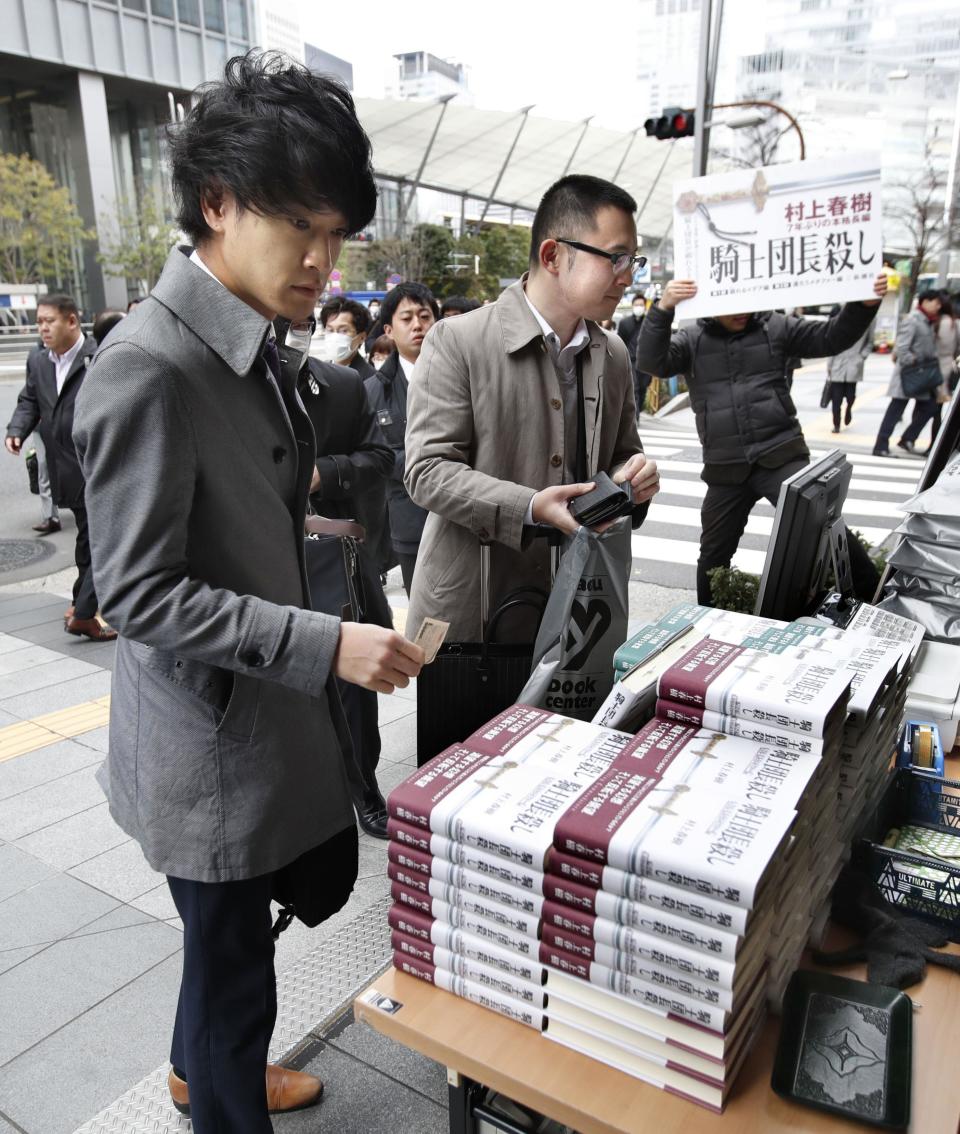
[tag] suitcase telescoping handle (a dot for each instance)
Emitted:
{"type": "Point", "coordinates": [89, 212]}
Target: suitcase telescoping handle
{"type": "Point", "coordinates": [554, 538]}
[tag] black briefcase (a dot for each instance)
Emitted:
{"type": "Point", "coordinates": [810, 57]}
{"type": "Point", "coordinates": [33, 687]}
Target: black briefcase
{"type": "Point", "coordinates": [343, 579]}
{"type": "Point", "coordinates": [470, 682]}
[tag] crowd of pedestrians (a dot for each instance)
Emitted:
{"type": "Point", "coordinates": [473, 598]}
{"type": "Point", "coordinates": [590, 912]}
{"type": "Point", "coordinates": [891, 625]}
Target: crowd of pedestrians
{"type": "Point", "coordinates": [191, 437]}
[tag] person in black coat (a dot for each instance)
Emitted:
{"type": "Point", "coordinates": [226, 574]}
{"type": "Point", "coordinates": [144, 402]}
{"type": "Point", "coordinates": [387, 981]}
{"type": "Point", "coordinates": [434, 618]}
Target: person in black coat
{"type": "Point", "coordinates": [736, 371]}
{"type": "Point", "coordinates": [54, 377]}
{"type": "Point", "coordinates": [629, 331]}
{"type": "Point", "coordinates": [408, 312]}
{"type": "Point", "coordinates": [353, 463]}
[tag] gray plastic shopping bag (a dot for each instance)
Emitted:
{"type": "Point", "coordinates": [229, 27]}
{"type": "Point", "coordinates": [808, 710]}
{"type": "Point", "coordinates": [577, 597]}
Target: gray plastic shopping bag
{"type": "Point", "coordinates": [584, 622]}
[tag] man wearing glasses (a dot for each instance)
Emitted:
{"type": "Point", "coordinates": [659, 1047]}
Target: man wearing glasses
{"type": "Point", "coordinates": [514, 407]}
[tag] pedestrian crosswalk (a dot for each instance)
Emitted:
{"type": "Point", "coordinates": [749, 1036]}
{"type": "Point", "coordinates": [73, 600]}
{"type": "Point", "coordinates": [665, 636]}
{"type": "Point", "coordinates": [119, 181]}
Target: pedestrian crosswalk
{"type": "Point", "coordinates": [666, 547]}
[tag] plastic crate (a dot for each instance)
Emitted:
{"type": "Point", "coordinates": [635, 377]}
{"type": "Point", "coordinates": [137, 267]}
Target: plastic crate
{"type": "Point", "coordinates": [926, 886]}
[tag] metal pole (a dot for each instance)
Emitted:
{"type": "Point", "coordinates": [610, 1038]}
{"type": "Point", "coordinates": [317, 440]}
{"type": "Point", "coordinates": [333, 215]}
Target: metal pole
{"type": "Point", "coordinates": [773, 106]}
{"type": "Point", "coordinates": [949, 212]}
{"type": "Point", "coordinates": [405, 205]}
{"type": "Point", "coordinates": [506, 161]}
{"type": "Point", "coordinates": [702, 137]}
{"type": "Point", "coordinates": [655, 182]}
{"type": "Point", "coordinates": [566, 168]}
{"type": "Point", "coordinates": [623, 159]}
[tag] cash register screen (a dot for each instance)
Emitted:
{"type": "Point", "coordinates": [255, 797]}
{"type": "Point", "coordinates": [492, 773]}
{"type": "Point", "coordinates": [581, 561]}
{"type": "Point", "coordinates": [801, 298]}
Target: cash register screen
{"type": "Point", "coordinates": [797, 569]}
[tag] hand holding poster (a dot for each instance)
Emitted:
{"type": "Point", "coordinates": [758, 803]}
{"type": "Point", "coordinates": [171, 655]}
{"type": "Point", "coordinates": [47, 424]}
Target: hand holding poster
{"type": "Point", "coordinates": [783, 236]}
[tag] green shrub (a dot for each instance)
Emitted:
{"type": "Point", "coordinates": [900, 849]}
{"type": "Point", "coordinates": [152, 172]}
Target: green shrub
{"type": "Point", "coordinates": [734, 590]}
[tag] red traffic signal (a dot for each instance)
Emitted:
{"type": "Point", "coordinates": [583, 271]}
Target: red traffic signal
{"type": "Point", "coordinates": [674, 122]}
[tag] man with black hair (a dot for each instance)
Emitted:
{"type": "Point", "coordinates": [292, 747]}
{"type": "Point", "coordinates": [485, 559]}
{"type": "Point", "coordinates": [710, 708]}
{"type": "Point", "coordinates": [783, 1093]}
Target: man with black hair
{"type": "Point", "coordinates": [736, 367]}
{"type": "Point", "coordinates": [225, 761]}
{"type": "Point", "coordinates": [495, 442]}
{"type": "Point", "coordinates": [55, 376]}
{"type": "Point", "coordinates": [408, 312]}
{"type": "Point", "coordinates": [457, 305]}
{"type": "Point", "coordinates": [351, 321]}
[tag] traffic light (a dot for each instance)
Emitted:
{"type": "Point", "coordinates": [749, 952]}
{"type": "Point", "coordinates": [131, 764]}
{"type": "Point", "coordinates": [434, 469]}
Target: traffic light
{"type": "Point", "coordinates": [674, 122]}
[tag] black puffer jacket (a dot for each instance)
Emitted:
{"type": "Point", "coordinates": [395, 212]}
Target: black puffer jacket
{"type": "Point", "coordinates": [738, 384]}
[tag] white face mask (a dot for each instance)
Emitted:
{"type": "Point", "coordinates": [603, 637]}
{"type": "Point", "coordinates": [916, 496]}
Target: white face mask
{"type": "Point", "coordinates": [331, 346]}
{"type": "Point", "coordinates": [298, 337]}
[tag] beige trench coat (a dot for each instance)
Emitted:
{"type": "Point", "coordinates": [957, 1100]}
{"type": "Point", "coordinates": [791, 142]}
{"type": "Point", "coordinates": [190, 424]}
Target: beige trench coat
{"type": "Point", "coordinates": [484, 434]}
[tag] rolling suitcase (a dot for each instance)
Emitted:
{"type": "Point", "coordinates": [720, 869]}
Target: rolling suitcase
{"type": "Point", "coordinates": [470, 682]}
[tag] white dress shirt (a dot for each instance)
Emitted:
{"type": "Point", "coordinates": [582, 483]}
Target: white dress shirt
{"type": "Point", "coordinates": [63, 362]}
{"type": "Point", "coordinates": [565, 363]}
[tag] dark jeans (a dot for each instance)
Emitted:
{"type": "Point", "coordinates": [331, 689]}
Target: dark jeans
{"type": "Point", "coordinates": [407, 564]}
{"type": "Point", "coordinates": [84, 595]}
{"type": "Point", "coordinates": [929, 409]}
{"type": "Point", "coordinates": [228, 1002]}
{"type": "Point", "coordinates": [723, 517]}
{"type": "Point", "coordinates": [922, 412]}
{"type": "Point", "coordinates": [839, 391]}
{"type": "Point", "coordinates": [360, 708]}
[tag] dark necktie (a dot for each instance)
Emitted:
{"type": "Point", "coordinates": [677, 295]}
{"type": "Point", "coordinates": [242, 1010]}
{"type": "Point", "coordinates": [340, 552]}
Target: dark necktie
{"type": "Point", "coordinates": [272, 358]}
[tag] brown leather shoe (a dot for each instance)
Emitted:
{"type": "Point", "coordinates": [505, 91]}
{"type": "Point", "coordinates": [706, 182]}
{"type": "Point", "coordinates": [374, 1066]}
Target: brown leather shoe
{"type": "Point", "coordinates": [286, 1090]}
{"type": "Point", "coordinates": [47, 527]}
{"type": "Point", "coordinates": [90, 628]}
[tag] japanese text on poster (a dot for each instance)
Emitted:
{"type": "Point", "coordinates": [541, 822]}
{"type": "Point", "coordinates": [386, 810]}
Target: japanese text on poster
{"type": "Point", "coordinates": [783, 236]}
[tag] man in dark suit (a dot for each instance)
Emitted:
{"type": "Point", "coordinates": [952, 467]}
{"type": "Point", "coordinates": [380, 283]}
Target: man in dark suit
{"type": "Point", "coordinates": [408, 312]}
{"type": "Point", "coordinates": [54, 377]}
{"type": "Point", "coordinates": [353, 464]}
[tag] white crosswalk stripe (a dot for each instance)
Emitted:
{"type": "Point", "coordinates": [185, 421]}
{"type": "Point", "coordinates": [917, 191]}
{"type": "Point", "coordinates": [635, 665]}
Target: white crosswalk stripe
{"type": "Point", "coordinates": [666, 547]}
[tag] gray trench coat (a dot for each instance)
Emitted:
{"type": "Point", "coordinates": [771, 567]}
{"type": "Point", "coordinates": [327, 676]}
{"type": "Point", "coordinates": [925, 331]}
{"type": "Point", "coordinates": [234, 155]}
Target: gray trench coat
{"type": "Point", "coordinates": [225, 759]}
{"type": "Point", "coordinates": [485, 432]}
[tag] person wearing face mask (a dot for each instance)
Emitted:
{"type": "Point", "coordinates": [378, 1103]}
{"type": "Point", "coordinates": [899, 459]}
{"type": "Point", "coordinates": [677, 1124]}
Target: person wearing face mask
{"type": "Point", "coordinates": [349, 322]}
{"type": "Point", "coordinates": [353, 463]}
{"type": "Point", "coordinates": [629, 332]}
{"type": "Point", "coordinates": [408, 312]}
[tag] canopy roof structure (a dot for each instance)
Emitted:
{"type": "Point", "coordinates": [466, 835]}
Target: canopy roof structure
{"type": "Point", "coordinates": [511, 158]}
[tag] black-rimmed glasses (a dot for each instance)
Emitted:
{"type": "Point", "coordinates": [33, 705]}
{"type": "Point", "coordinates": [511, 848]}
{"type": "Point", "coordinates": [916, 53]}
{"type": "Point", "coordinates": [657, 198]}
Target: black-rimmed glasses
{"type": "Point", "coordinates": [620, 260]}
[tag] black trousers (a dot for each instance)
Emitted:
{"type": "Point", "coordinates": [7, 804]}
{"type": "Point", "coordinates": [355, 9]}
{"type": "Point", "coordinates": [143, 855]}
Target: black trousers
{"type": "Point", "coordinates": [407, 565]}
{"type": "Point", "coordinates": [641, 383]}
{"type": "Point", "coordinates": [360, 708]}
{"type": "Point", "coordinates": [84, 594]}
{"type": "Point", "coordinates": [724, 514]}
{"type": "Point", "coordinates": [929, 409]}
{"type": "Point", "coordinates": [839, 391]}
{"type": "Point", "coordinates": [228, 1002]}
{"type": "Point", "coordinates": [923, 411]}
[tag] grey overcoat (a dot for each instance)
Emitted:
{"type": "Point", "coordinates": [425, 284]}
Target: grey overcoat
{"type": "Point", "coordinates": [224, 761]}
{"type": "Point", "coordinates": [916, 342]}
{"type": "Point", "coordinates": [485, 432]}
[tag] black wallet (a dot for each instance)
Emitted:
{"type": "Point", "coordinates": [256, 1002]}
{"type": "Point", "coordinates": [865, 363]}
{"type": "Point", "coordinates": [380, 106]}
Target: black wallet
{"type": "Point", "coordinates": [605, 502]}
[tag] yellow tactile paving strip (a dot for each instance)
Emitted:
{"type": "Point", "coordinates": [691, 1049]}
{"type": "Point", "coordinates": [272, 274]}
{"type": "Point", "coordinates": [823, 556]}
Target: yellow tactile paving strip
{"type": "Point", "coordinates": [28, 736]}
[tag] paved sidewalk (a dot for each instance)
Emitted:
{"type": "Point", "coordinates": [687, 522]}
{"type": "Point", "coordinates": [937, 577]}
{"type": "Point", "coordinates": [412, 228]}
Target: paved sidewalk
{"type": "Point", "coordinates": [89, 937]}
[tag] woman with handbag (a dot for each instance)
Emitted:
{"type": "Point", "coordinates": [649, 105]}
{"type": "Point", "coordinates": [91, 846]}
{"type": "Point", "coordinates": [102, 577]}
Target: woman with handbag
{"type": "Point", "coordinates": [844, 371]}
{"type": "Point", "coordinates": [916, 374]}
{"type": "Point", "coordinates": [948, 347]}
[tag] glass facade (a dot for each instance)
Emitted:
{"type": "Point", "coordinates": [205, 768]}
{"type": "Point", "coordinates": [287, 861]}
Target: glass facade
{"type": "Point", "coordinates": [34, 121]}
{"type": "Point", "coordinates": [109, 92]}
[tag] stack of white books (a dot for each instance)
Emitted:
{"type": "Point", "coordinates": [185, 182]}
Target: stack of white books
{"type": "Point", "coordinates": [469, 832]}
{"type": "Point", "coordinates": [660, 890]}
{"type": "Point", "coordinates": [476, 913]}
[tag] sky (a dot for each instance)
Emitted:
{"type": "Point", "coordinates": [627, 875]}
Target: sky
{"type": "Point", "coordinates": [549, 54]}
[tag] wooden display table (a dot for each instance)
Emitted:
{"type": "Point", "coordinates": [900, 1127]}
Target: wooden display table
{"type": "Point", "coordinates": [480, 1047]}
